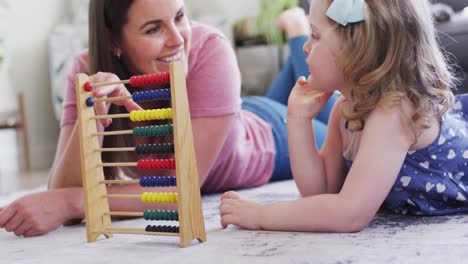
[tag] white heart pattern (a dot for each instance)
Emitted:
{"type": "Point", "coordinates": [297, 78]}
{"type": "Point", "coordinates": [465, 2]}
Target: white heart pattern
{"type": "Point", "coordinates": [425, 164]}
{"type": "Point", "coordinates": [465, 154]}
{"type": "Point", "coordinates": [461, 198]}
{"type": "Point", "coordinates": [462, 186]}
{"type": "Point", "coordinates": [441, 140]}
{"type": "Point", "coordinates": [452, 132]}
{"type": "Point", "coordinates": [405, 180]}
{"type": "Point", "coordinates": [458, 106]}
{"type": "Point", "coordinates": [434, 157]}
{"type": "Point", "coordinates": [429, 186]}
{"type": "Point", "coordinates": [463, 132]}
{"type": "Point", "coordinates": [440, 188]}
{"type": "Point", "coordinates": [460, 175]}
{"type": "Point", "coordinates": [451, 154]}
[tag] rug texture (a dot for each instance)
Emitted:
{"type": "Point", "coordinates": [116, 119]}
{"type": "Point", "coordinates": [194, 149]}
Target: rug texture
{"type": "Point", "coordinates": [388, 239]}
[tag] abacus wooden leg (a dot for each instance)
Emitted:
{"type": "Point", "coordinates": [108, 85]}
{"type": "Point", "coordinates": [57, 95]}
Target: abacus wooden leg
{"type": "Point", "coordinates": [97, 205]}
{"type": "Point", "coordinates": [191, 221]}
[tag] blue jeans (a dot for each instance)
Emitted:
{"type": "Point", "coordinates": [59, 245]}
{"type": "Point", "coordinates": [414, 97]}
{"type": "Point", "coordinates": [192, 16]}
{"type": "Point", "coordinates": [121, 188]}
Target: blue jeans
{"type": "Point", "coordinates": [273, 108]}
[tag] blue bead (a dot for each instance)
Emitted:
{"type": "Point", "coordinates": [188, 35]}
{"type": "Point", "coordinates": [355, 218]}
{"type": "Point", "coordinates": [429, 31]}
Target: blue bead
{"type": "Point", "coordinates": [157, 95]}
{"type": "Point", "coordinates": [89, 102]}
{"type": "Point", "coordinates": [136, 97]}
{"type": "Point", "coordinates": [159, 181]}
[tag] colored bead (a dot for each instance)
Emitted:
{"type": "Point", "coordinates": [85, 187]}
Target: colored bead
{"type": "Point", "coordinates": [155, 78]}
{"type": "Point", "coordinates": [158, 181]}
{"type": "Point", "coordinates": [89, 102]}
{"type": "Point", "coordinates": [87, 87]}
{"type": "Point", "coordinates": [154, 95]}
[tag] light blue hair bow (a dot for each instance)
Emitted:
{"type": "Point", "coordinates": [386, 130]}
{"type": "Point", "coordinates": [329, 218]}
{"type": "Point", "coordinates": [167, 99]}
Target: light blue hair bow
{"type": "Point", "coordinates": [344, 12]}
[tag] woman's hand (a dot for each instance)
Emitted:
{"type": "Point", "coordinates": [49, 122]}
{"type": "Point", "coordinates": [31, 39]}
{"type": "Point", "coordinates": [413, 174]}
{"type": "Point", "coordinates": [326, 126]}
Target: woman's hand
{"type": "Point", "coordinates": [38, 213]}
{"type": "Point", "coordinates": [102, 108]}
{"type": "Point", "coordinates": [239, 211]}
{"type": "Point", "coordinates": [306, 99]}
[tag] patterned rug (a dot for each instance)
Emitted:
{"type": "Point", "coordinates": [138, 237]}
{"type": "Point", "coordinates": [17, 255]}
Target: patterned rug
{"type": "Point", "coordinates": [388, 239]}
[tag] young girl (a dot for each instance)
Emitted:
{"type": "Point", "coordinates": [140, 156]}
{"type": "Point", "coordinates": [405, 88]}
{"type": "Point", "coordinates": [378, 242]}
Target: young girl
{"type": "Point", "coordinates": [397, 137]}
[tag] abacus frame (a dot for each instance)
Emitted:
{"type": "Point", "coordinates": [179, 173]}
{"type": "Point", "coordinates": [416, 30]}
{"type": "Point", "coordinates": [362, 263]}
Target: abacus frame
{"type": "Point", "coordinates": [97, 211]}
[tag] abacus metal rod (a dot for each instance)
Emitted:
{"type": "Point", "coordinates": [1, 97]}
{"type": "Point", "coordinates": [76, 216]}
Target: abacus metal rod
{"type": "Point", "coordinates": [111, 116]}
{"type": "Point", "coordinates": [121, 230]}
{"type": "Point", "coordinates": [118, 164]}
{"type": "Point", "coordinates": [135, 196]}
{"type": "Point", "coordinates": [113, 133]}
{"type": "Point", "coordinates": [110, 99]}
{"type": "Point", "coordinates": [96, 85]}
{"type": "Point", "coordinates": [122, 116]}
{"type": "Point", "coordinates": [115, 149]}
{"type": "Point", "coordinates": [124, 213]}
{"type": "Point", "coordinates": [120, 182]}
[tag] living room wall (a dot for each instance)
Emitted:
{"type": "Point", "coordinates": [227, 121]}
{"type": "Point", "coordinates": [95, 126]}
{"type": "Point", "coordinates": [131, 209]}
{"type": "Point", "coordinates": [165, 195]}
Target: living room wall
{"type": "Point", "coordinates": [30, 23]}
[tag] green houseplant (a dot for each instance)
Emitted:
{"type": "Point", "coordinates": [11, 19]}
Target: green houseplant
{"type": "Point", "coordinates": [266, 19]}
{"type": "Point", "coordinates": [260, 46]}
{"type": "Point", "coordinates": [261, 30]}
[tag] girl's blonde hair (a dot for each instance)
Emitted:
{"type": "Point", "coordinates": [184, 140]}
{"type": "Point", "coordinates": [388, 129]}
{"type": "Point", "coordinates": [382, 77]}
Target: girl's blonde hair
{"type": "Point", "coordinates": [394, 54]}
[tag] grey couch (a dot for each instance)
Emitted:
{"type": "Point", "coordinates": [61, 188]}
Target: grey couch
{"type": "Point", "coordinates": [453, 28]}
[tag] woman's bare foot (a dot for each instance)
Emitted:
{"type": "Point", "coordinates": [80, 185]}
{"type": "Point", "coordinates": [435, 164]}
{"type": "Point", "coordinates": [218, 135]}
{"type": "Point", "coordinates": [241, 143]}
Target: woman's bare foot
{"type": "Point", "coordinates": [294, 22]}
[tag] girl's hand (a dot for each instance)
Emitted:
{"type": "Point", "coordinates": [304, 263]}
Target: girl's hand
{"type": "Point", "coordinates": [306, 100]}
{"type": "Point", "coordinates": [238, 211]}
{"type": "Point", "coordinates": [36, 214]}
{"type": "Point", "coordinates": [102, 108]}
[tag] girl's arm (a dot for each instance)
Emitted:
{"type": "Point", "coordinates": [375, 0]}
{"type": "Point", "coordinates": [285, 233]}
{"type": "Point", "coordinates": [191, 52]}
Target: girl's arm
{"type": "Point", "coordinates": [314, 172]}
{"type": "Point", "coordinates": [384, 145]}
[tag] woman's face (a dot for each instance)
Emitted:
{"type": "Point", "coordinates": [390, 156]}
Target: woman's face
{"type": "Point", "coordinates": [157, 33]}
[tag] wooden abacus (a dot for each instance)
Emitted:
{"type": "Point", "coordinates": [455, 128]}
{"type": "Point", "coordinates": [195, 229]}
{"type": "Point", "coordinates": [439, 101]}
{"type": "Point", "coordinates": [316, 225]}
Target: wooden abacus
{"type": "Point", "coordinates": [189, 208]}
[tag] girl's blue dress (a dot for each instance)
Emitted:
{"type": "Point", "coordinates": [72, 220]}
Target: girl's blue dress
{"type": "Point", "coordinates": [434, 180]}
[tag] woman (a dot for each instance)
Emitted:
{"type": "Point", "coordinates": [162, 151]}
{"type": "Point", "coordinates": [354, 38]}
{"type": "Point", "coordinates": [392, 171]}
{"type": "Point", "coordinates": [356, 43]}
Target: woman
{"type": "Point", "coordinates": [239, 150]}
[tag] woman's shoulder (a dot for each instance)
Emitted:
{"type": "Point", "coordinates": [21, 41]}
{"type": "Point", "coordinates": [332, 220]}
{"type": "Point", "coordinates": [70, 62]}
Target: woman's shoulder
{"type": "Point", "coordinates": [202, 33]}
{"type": "Point", "coordinates": [81, 61]}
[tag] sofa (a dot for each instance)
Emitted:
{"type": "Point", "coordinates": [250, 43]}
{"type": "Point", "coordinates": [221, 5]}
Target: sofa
{"type": "Point", "coordinates": [452, 24]}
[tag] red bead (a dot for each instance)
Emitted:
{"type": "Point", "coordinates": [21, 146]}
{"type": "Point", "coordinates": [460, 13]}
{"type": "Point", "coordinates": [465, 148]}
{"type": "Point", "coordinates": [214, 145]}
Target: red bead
{"type": "Point", "coordinates": [155, 78]}
{"type": "Point", "coordinates": [87, 87]}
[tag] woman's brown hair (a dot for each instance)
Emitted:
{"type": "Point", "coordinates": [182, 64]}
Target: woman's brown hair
{"type": "Point", "coordinates": [106, 21]}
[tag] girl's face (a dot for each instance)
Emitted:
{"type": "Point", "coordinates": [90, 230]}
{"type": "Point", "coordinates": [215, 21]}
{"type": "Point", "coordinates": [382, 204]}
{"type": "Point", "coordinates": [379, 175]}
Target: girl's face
{"type": "Point", "coordinates": [157, 33]}
{"type": "Point", "coordinates": [323, 50]}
